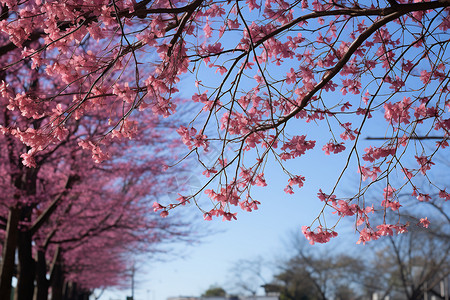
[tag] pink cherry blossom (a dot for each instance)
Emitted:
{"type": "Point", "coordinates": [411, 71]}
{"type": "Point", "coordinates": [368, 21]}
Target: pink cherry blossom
{"type": "Point", "coordinates": [424, 222]}
{"type": "Point", "coordinates": [238, 90]}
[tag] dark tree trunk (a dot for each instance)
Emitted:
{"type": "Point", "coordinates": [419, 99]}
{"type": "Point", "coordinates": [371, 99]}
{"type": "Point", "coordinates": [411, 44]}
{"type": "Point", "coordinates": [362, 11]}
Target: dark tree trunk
{"type": "Point", "coordinates": [69, 290]}
{"type": "Point", "coordinates": [8, 255]}
{"type": "Point", "coordinates": [57, 278]}
{"type": "Point", "coordinates": [42, 283]}
{"type": "Point", "coordinates": [25, 280]}
{"type": "Point", "coordinates": [73, 292]}
{"type": "Point", "coordinates": [26, 266]}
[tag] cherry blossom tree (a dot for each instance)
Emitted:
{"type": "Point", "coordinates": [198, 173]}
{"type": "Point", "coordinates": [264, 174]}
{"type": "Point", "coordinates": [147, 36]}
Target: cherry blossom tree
{"type": "Point", "coordinates": [91, 238]}
{"type": "Point", "coordinates": [82, 220]}
{"type": "Point", "coordinates": [265, 72]}
{"type": "Point", "coordinates": [72, 221]}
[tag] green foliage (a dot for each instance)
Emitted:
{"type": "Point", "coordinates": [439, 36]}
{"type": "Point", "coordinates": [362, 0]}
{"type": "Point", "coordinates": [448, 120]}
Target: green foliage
{"type": "Point", "coordinates": [214, 291]}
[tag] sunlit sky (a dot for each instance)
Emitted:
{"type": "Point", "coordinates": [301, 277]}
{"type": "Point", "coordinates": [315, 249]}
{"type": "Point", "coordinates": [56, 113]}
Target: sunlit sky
{"type": "Point", "coordinates": [191, 270]}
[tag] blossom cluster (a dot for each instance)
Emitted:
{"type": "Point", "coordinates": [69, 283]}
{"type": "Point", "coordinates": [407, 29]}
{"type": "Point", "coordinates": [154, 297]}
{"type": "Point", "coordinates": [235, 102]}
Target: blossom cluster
{"type": "Point", "coordinates": [259, 67]}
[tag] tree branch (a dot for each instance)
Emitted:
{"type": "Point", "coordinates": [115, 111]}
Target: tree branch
{"type": "Point", "coordinates": [71, 180]}
{"type": "Point", "coordinates": [411, 138]}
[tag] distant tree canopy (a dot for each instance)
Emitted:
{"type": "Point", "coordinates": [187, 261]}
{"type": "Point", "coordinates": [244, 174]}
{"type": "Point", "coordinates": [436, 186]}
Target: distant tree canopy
{"type": "Point", "coordinates": [214, 291]}
{"type": "Point", "coordinates": [410, 267]}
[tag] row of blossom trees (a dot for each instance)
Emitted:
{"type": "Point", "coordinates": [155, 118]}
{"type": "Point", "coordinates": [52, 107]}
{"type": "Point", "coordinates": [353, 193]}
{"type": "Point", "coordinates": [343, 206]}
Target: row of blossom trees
{"type": "Point", "coordinates": [68, 224]}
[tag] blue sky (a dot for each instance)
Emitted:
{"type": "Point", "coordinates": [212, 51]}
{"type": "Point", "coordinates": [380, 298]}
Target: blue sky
{"type": "Point", "coordinates": [190, 270]}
